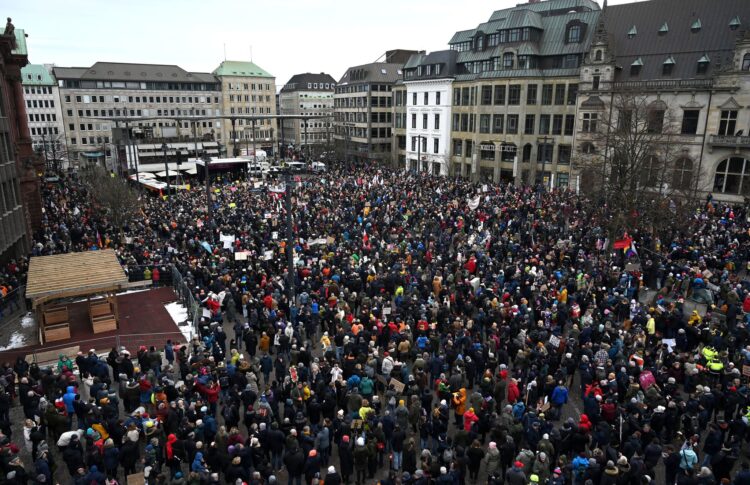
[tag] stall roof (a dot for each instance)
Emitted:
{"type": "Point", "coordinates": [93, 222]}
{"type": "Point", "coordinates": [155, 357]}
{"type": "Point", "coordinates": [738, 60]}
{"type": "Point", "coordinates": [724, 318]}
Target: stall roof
{"type": "Point", "coordinates": [73, 274]}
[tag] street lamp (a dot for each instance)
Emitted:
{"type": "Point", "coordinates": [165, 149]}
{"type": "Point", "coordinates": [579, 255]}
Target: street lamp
{"type": "Point", "coordinates": [166, 166]}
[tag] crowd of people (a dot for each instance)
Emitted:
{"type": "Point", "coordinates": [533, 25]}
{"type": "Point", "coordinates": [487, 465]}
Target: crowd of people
{"type": "Point", "coordinates": [441, 332]}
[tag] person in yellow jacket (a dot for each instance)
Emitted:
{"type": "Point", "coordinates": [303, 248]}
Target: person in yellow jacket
{"type": "Point", "coordinates": [459, 406]}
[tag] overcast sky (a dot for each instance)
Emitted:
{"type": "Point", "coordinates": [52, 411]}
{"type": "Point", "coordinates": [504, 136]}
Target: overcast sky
{"type": "Point", "coordinates": [287, 36]}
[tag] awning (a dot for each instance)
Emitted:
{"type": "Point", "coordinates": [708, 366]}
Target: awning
{"type": "Point", "coordinates": [191, 171]}
{"type": "Point", "coordinates": [172, 173]}
{"type": "Point", "coordinates": [93, 154]}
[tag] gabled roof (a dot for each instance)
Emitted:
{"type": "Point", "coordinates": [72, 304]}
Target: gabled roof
{"type": "Point", "coordinates": [36, 75]}
{"type": "Point", "coordinates": [241, 68]}
{"type": "Point", "coordinates": [299, 82]}
{"type": "Point", "coordinates": [715, 38]}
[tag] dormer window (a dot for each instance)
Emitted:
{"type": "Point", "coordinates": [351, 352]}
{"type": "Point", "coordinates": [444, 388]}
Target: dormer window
{"type": "Point", "coordinates": [508, 60]}
{"type": "Point", "coordinates": [635, 67]}
{"type": "Point", "coordinates": [632, 32]}
{"type": "Point", "coordinates": [574, 34]}
{"type": "Point", "coordinates": [735, 23]}
{"type": "Point", "coordinates": [703, 63]}
{"type": "Point", "coordinates": [437, 69]}
{"type": "Point", "coordinates": [480, 43]}
{"type": "Point", "coordinates": [428, 70]}
{"type": "Point", "coordinates": [663, 29]}
{"type": "Point", "coordinates": [668, 66]}
{"type": "Point", "coordinates": [696, 27]}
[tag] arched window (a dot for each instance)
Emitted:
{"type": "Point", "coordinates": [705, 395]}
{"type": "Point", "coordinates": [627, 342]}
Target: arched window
{"type": "Point", "coordinates": [733, 177]}
{"type": "Point", "coordinates": [682, 176]}
{"type": "Point", "coordinates": [598, 55]}
{"type": "Point", "coordinates": [508, 60]}
{"type": "Point", "coordinates": [650, 176]}
{"type": "Point", "coordinates": [746, 62]}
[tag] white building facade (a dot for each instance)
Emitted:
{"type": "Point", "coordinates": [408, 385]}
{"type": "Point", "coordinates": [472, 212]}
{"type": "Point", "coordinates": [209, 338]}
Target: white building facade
{"type": "Point", "coordinates": [428, 114]}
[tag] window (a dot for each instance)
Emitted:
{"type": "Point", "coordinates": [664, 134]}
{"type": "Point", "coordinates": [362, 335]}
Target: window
{"type": "Point", "coordinates": [559, 94]}
{"type": "Point", "coordinates": [437, 98]}
{"type": "Point", "coordinates": [635, 67]}
{"type": "Point", "coordinates": [544, 152]}
{"type": "Point", "coordinates": [414, 143]}
{"type": "Point", "coordinates": [514, 94]}
{"type": "Point", "coordinates": [414, 120]}
{"type": "Point", "coordinates": [574, 34]}
{"type": "Point", "coordinates": [484, 123]}
{"type": "Point", "coordinates": [486, 95]}
{"type": "Point", "coordinates": [424, 144]}
{"type": "Point", "coordinates": [435, 145]}
{"type": "Point", "coordinates": [690, 121]}
{"type": "Point", "coordinates": [437, 121]}
{"type": "Point", "coordinates": [457, 148]}
{"type": "Point", "coordinates": [570, 61]}
{"type": "Point", "coordinates": [526, 155]}
{"type": "Point", "coordinates": [702, 65]}
{"type": "Point", "coordinates": [595, 80]}
{"type": "Point", "coordinates": [499, 94]}
{"type": "Point", "coordinates": [598, 55]}
{"type": "Point", "coordinates": [655, 122]}
{"type": "Point", "coordinates": [588, 148]}
{"type": "Point", "coordinates": [624, 120]}
{"type": "Point", "coordinates": [563, 154]}
{"type": "Point", "coordinates": [414, 99]}
{"type": "Point", "coordinates": [424, 121]}
{"type": "Point", "coordinates": [512, 125]}
{"type": "Point", "coordinates": [547, 94]}
{"type": "Point", "coordinates": [667, 68]}
{"type": "Point", "coordinates": [728, 122]}
{"type": "Point", "coordinates": [733, 177]}
{"type": "Point", "coordinates": [570, 121]}
{"type": "Point", "coordinates": [589, 122]}
{"type": "Point", "coordinates": [531, 90]}
{"type": "Point", "coordinates": [528, 125]}
{"type": "Point", "coordinates": [456, 97]}
{"type": "Point", "coordinates": [572, 94]}
{"type": "Point", "coordinates": [497, 123]}
{"type": "Point", "coordinates": [487, 151]}
{"type": "Point", "coordinates": [682, 174]}
{"type": "Point", "coordinates": [508, 60]}
{"type": "Point", "coordinates": [557, 122]}
{"type": "Point", "coordinates": [465, 97]}
{"type": "Point", "coordinates": [456, 122]}
{"type": "Point", "coordinates": [746, 62]}
{"type": "Point", "coordinates": [464, 122]}
{"type": "Point", "coordinates": [544, 124]}
{"type": "Point", "coordinates": [426, 98]}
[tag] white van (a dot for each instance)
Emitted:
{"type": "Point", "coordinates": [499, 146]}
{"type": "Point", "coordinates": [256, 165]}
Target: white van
{"type": "Point", "coordinates": [318, 167]}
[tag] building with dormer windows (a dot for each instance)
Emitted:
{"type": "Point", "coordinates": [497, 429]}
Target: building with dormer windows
{"type": "Point", "coordinates": [689, 63]}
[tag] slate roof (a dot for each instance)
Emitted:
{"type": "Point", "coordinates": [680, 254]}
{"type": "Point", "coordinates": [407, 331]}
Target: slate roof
{"type": "Point", "coordinates": [714, 39]}
{"type": "Point", "coordinates": [121, 71]}
{"type": "Point", "coordinates": [299, 82]}
{"type": "Point", "coordinates": [375, 72]}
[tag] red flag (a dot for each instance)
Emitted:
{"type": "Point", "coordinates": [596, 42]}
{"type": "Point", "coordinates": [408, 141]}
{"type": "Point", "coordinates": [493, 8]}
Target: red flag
{"type": "Point", "coordinates": [623, 243]}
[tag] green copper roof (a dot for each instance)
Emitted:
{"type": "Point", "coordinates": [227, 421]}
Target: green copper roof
{"type": "Point", "coordinates": [36, 75]}
{"type": "Point", "coordinates": [240, 68]}
{"type": "Point", "coordinates": [21, 49]}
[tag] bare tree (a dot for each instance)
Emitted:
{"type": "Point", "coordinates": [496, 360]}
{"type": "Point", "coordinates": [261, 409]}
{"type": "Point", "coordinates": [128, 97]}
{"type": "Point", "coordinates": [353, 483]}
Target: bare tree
{"type": "Point", "coordinates": [114, 196]}
{"type": "Point", "coordinates": [629, 160]}
{"type": "Point", "coordinates": [53, 149]}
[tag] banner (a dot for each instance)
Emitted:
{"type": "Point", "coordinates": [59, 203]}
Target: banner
{"type": "Point", "coordinates": [474, 203]}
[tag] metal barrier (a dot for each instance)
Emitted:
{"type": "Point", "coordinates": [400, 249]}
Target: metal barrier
{"type": "Point", "coordinates": [195, 313]}
{"type": "Point", "coordinates": [13, 306]}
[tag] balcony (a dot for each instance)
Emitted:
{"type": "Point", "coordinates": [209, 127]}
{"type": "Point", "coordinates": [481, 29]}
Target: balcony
{"type": "Point", "coordinates": [729, 141]}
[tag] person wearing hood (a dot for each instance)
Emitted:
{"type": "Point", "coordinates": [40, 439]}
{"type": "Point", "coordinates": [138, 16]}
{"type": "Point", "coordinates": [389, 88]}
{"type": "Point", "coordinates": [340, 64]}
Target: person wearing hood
{"type": "Point", "coordinates": [69, 398]}
{"type": "Point", "coordinates": [312, 466]}
{"type": "Point", "coordinates": [540, 467]}
{"type": "Point", "coordinates": [199, 466]}
{"type": "Point", "coordinates": [94, 476]}
{"type": "Point", "coordinates": [611, 475]}
{"type": "Point", "coordinates": [515, 474]}
{"type": "Point", "coordinates": [475, 455]}
{"type": "Point", "coordinates": [459, 406]}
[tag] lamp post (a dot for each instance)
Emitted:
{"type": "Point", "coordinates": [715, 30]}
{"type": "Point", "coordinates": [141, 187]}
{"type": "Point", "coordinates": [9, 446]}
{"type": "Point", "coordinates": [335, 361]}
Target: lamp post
{"type": "Point", "coordinates": [166, 166]}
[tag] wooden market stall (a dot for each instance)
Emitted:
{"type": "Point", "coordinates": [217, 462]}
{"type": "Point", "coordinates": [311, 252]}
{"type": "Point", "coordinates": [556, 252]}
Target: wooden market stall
{"type": "Point", "coordinates": [63, 276]}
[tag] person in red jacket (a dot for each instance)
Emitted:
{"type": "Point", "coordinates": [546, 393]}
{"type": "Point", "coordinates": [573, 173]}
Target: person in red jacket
{"type": "Point", "coordinates": [513, 392]}
{"type": "Point", "coordinates": [211, 393]}
{"type": "Point", "coordinates": [746, 304]}
{"type": "Point", "coordinates": [470, 418]}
